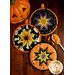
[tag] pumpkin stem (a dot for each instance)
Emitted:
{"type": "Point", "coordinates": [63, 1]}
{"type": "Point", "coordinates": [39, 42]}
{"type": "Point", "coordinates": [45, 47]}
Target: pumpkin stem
{"type": "Point", "coordinates": [12, 1]}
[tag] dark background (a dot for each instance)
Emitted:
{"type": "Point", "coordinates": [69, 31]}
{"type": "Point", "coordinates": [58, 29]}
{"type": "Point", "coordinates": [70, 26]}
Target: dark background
{"type": "Point", "coordinates": [19, 61]}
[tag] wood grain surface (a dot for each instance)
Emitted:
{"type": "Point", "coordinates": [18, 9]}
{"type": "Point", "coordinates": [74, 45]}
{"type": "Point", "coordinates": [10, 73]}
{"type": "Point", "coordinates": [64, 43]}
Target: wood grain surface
{"type": "Point", "coordinates": [19, 61]}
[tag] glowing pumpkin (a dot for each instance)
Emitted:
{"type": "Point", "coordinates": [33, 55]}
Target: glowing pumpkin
{"type": "Point", "coordinates": [19, 10]}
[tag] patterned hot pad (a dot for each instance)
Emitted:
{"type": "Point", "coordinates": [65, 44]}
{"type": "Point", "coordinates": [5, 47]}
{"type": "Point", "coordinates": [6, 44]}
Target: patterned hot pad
{"type": "Point", "coordinates": [45, 20]}
{"type": "Point", "coordinates": [41, 56]}
{"type": "Point", "coordinates": [25, 37]}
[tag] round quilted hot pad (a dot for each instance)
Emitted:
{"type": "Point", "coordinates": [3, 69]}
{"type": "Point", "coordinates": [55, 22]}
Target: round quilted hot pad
{"type": "Point", "coordinates": [45, 20]}
{"type": "Point", "coordinates": [26, 37]}
{"type": "Point", "coordinates": [41, 56]}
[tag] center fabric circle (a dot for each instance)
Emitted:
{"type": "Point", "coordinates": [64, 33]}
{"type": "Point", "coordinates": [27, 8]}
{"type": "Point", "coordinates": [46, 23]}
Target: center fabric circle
{"type": "Point", "coordinates": [43, 55]}
{"type": "Point", "coordinates": [26, 38]}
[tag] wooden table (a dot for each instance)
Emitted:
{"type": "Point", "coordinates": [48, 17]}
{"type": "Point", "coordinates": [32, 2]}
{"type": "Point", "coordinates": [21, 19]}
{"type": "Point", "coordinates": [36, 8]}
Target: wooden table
{"type": "Point", "coordinates": [20, 64]}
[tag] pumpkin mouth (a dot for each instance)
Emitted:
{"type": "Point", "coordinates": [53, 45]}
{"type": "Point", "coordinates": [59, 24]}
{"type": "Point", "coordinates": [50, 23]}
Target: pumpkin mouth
{"type": "Point", "coordinates": [12, 1]}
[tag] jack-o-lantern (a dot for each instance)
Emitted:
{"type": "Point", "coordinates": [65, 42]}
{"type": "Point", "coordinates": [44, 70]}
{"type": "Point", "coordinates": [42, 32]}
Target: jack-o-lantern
{"type": "Point", "coordinates": [19, 10]}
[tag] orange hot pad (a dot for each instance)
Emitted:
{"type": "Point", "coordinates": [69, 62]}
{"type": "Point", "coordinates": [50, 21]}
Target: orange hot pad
{"type": "Point", "coordinates": [41, 56]}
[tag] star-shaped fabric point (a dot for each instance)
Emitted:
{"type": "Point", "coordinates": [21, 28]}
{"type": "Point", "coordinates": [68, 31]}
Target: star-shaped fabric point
{"type": "Point", "coordinates": [26, 37]}
{"type": "Point", "coordinates": [43, 56]}
{"type": "Point", "coordinates": [43, 21]}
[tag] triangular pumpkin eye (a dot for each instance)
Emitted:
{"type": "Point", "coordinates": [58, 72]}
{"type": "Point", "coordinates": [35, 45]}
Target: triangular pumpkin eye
{"type": "Point", "coordinates": [24, 9]}
{"type": "Point", "coordinates": [14, 15]}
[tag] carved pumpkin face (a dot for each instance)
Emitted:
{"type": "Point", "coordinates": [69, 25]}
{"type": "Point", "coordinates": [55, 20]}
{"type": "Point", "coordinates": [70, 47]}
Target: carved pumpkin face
{"type": "Point", "coordinates": [19, 10]}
